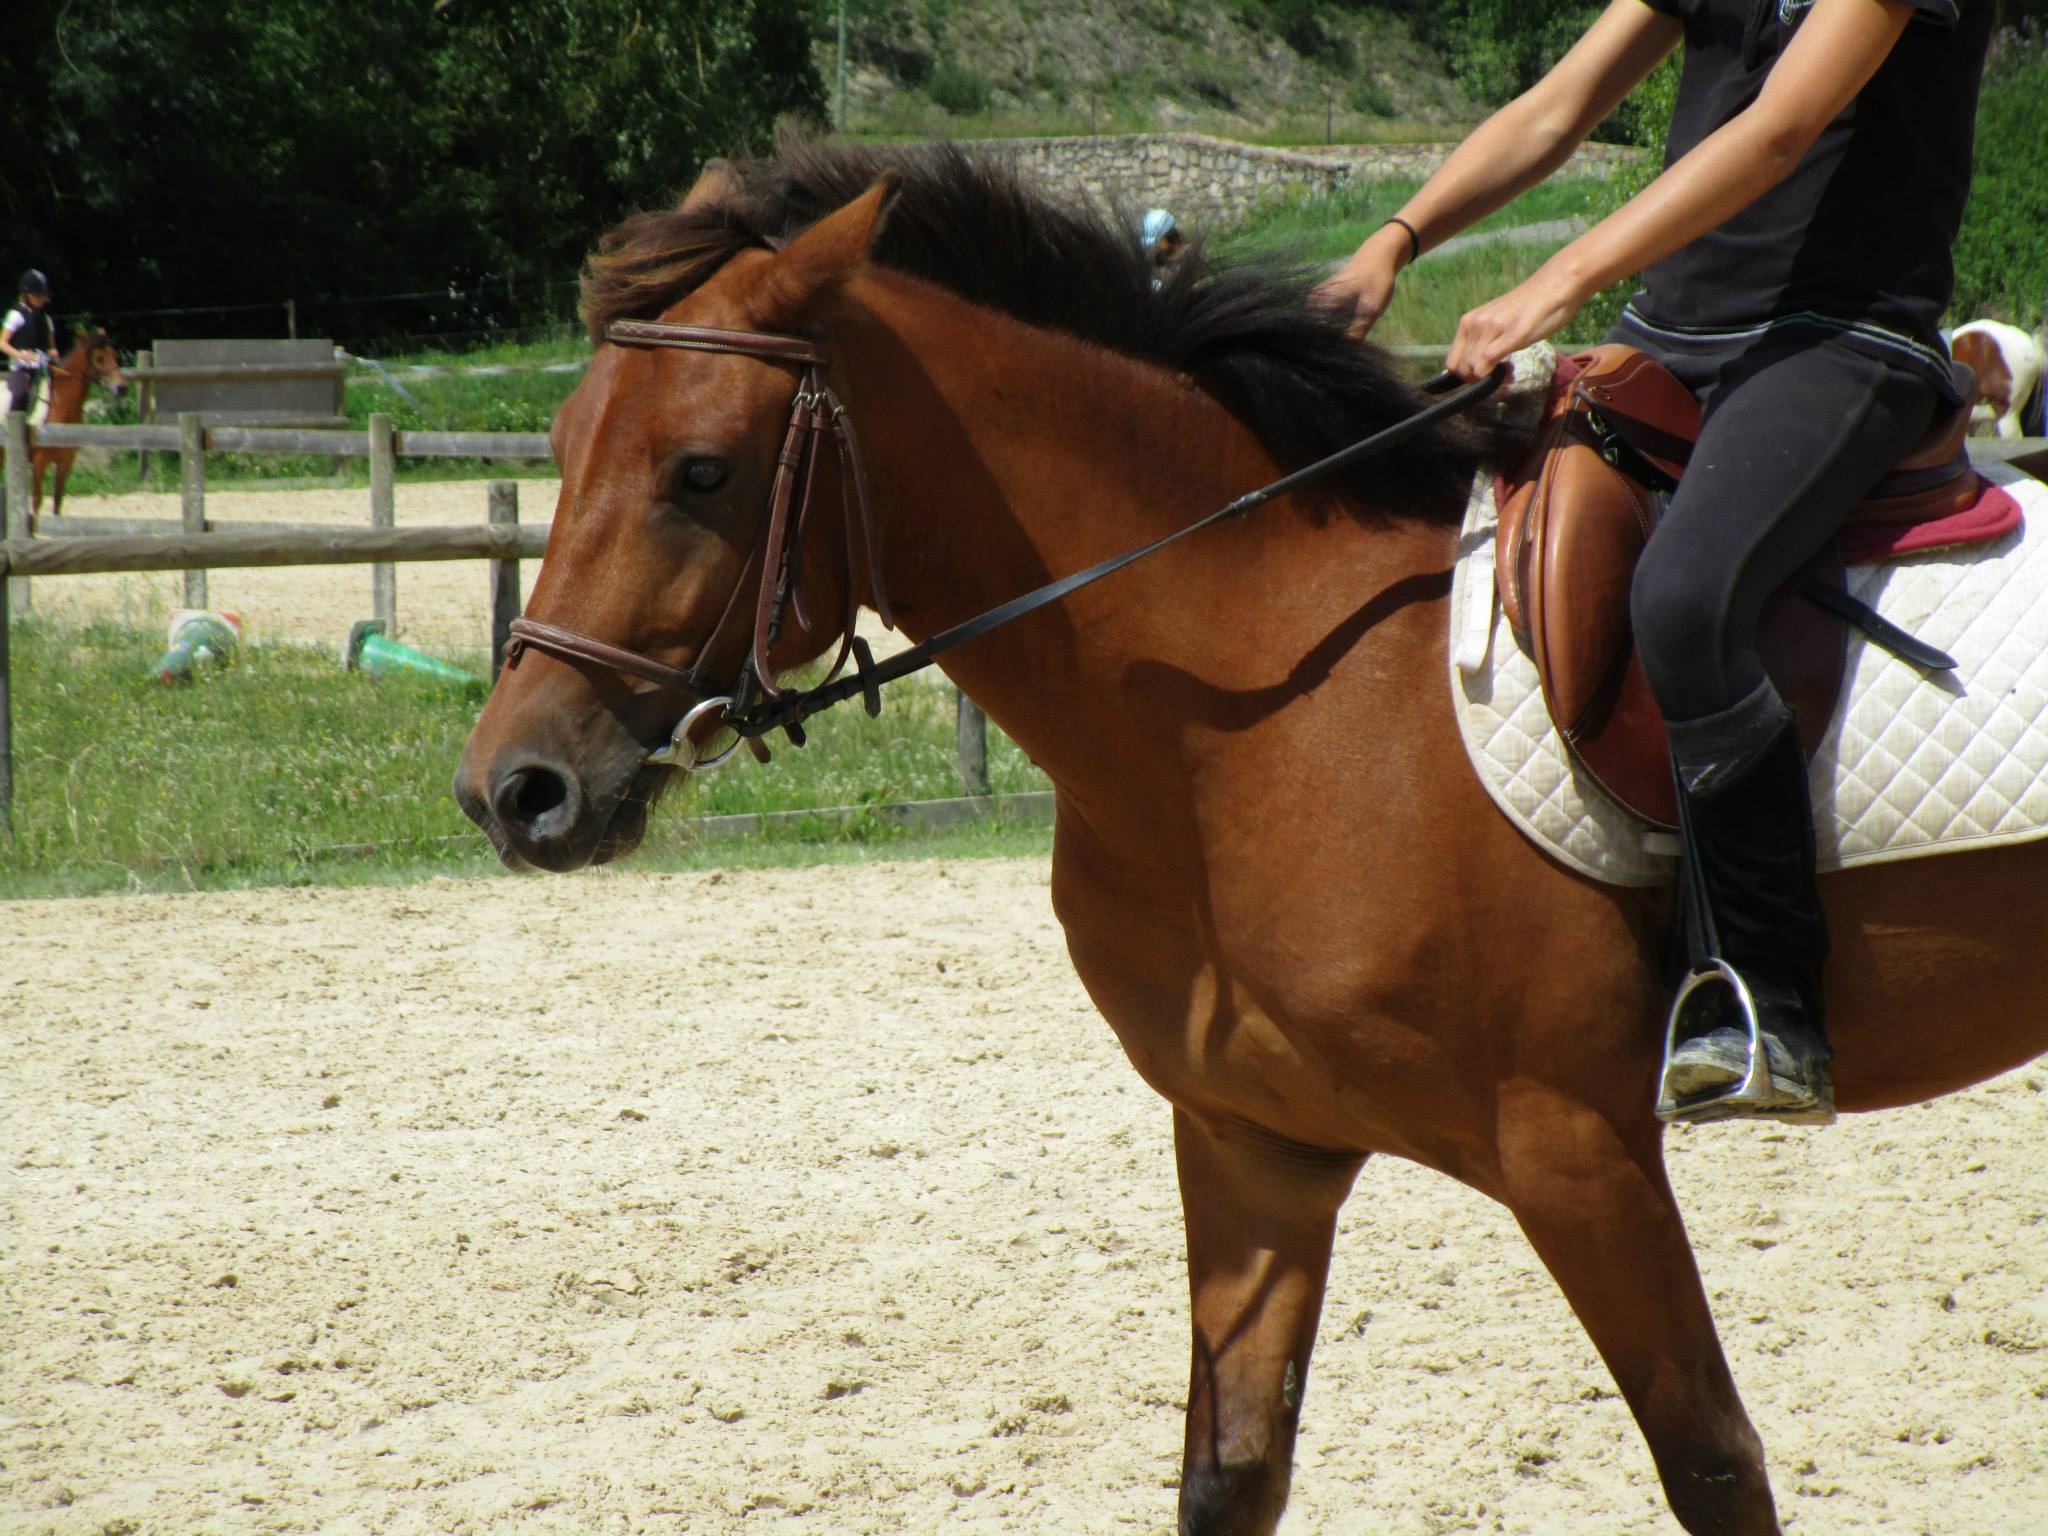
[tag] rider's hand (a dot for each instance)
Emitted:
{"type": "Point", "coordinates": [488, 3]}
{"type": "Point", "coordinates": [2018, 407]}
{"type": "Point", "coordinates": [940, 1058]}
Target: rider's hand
{"type": "Point", "coordinates": [1538, 308]}
{"type": "Point", "coordinates": [1363, 287]}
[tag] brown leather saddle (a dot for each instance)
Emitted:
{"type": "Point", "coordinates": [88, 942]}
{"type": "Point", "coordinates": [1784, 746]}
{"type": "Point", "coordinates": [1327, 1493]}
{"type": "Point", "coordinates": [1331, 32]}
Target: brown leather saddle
{"type": "Point", "coordinates": [1616, 435]}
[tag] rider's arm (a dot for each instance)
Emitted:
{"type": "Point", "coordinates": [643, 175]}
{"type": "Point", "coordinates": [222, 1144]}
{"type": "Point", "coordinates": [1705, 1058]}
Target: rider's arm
{"type": "Point", "coordinates": [1829, 60]}
{"type": "Point", "coordinates": [1511, 151]}
{"type": "Point", "coordinates": [8, 348]}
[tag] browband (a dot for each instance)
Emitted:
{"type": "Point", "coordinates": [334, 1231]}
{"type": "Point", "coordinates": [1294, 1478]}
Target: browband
{"type": "Point", "coordinates": [709, 338]}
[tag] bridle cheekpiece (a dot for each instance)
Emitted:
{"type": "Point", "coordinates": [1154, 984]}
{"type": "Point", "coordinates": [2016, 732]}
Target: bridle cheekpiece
{"type": "Point", "coordinates": [774, 566]}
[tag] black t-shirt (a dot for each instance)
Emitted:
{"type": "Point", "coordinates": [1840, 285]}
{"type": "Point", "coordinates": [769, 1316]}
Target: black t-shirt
{"type": "Point", "coordinates": [1855, 243]}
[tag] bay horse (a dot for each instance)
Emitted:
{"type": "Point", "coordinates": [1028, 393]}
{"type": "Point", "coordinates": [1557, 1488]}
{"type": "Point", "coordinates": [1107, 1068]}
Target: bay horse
{"type": "Point", "coordinates": [1279, 879]}
{"type": "Point", "coordinates": [90, 360]}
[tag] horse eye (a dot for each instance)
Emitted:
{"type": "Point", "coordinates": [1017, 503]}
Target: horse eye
{"type": "Point", "coordinates": [704, 474]}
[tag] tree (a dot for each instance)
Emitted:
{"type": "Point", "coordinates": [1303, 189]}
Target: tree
{"type": "Point", "coordinates": [194, 152]}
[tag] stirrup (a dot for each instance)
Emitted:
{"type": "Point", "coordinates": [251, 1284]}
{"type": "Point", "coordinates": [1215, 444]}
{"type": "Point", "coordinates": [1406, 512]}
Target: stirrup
{"type": "Point", "coordinates": [1757, 1095]}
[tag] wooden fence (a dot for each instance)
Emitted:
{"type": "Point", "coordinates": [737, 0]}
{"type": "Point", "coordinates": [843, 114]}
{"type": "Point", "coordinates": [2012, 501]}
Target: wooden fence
{"type": "Point", "coordinates": [192, 439]}
{"type": "Point", "coordinates": [196, 545]}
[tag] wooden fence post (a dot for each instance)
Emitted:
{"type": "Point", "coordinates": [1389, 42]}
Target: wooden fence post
{"type": "Point", "coordinates": [6, 719]}
{"type": "Point", "coordinates": [971, 726]}
{"type": "Point", "coordinates": [504, 505]}
{"type": "Point", "coordinates": [383, 514]}
{"type": "Point", "coordinates": [145, 404]}
{"type": "Point", "coordinates": [192, 493]}
{"type": "Point", "coordinates": [17, 496]}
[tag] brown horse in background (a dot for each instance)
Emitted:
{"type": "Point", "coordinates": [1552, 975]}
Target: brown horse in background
{"type": "Point", "coordinates": [1279, 879]}
{"type": "Point", "coordinates": [90, 360]}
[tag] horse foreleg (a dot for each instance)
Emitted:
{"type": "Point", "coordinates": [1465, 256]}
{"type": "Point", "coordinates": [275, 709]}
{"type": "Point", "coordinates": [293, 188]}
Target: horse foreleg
{"type": "Point", "coordinates": [1596, 1204]}
{"type": "Point", "coordinates": [1261, 1215]}
{"type": "Point", "coordinates": [63, 475]}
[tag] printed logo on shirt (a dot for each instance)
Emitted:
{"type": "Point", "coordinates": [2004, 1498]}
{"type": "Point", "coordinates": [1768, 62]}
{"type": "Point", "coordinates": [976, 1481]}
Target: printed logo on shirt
{"type": "Point", "coordinates": [1789, 11]}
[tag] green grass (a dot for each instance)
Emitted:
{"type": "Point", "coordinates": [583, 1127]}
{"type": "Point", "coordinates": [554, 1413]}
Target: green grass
{"type": "Point", "coordinates": [284, 769]}
{"type": "Point", "coordinates": [1431, 297]}
{"type": "Point", "coordinates": [1331, 228]}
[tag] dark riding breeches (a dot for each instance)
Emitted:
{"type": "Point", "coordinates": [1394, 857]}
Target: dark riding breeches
{"type": "Point", "coordinates": [1793, 440]}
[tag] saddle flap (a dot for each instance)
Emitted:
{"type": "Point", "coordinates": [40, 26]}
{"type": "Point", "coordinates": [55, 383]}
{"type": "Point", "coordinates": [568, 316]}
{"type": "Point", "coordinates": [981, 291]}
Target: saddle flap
{"type": "Point", "coordinates": [1514, 493]}
{"type": "Point", "coordinates": [1571, 536]}
{"type": "Point", "coordinates": [1587, 525]}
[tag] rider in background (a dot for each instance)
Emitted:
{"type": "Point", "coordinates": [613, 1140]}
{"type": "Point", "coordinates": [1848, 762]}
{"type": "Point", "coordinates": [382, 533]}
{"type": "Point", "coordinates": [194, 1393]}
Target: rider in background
{"type": "Point", "coordinates": [28, 338]}
{"type": "Point", "coordinates": [1795, 264]}
{"type": "Point", "coordinates": [1160, 233]}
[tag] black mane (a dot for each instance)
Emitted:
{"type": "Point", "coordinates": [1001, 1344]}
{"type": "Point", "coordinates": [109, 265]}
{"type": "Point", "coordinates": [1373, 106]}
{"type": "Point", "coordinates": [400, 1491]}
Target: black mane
{"type": "Point", "coordinates": [977, 225]}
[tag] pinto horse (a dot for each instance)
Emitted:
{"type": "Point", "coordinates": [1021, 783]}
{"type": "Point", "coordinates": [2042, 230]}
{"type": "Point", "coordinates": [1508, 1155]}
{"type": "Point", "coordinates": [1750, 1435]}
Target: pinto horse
{"type": "Point", "coordinates": [91, 360]}
{"type": "Point", "coordinates": [2009, 365]}
{"type": "Point", "coordinates": [1279, 879]}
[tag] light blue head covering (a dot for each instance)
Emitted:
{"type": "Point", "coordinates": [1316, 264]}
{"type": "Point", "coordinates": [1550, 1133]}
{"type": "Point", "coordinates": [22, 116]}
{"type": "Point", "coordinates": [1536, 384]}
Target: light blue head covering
{"type": "Point", "coordinates": [1157, 226]}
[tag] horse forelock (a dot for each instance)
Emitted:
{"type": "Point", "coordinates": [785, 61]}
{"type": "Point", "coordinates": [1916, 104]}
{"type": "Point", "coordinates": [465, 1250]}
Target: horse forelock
{"type": "Point", "coordinates": [981, 227]}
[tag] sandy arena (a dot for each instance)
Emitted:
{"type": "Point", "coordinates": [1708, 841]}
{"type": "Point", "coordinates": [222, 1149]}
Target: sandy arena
{"type": "Point", "coordinates": [822, 1201]}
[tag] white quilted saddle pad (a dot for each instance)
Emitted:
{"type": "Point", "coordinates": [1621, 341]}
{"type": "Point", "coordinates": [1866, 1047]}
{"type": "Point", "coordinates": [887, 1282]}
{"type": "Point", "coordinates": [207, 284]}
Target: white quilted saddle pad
{"type": "Point", "coordinates": [1913, 765]}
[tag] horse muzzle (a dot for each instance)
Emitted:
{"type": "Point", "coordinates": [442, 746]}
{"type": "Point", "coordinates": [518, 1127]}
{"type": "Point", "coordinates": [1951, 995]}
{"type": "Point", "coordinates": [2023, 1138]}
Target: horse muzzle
{"type": "Point", "coordinates": [539, 813]}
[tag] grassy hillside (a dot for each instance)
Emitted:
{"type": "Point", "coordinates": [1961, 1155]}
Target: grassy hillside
{"type": "Point", "coordinates": [1273, 71]}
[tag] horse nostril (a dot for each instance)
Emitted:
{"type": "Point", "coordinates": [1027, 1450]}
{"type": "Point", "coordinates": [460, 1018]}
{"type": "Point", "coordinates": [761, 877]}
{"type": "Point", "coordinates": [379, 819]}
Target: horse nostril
{"type": "Point", "coordinates": [536, 800]}
{"type": "Point", "coordinates": [539, 792]}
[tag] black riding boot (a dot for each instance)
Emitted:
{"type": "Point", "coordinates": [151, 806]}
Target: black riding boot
{"type": "Point", "coordinates": [1742, 784]}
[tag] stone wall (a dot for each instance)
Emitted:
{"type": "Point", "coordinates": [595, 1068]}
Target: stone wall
{"type": "Point", "coordinates": [1207, 181]}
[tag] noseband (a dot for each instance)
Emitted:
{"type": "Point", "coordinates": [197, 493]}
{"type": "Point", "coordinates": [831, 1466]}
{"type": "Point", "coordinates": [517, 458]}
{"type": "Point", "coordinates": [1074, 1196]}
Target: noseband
{"type": "Point", "coordinates": [778, 553]}
{"type": "Point", "coordinates": [753, 706]}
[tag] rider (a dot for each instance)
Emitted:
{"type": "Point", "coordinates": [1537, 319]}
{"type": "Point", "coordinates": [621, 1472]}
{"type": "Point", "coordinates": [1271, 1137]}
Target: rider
{"type": "Point", "coordinates": [1795, 261]}
{"type": "Point", "coordinates": [1160, 233]}
{"type": "Point", "coordinates": [28, 338]}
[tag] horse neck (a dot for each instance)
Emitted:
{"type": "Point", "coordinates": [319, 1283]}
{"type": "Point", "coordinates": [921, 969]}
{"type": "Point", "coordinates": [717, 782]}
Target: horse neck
{"type": "Point", "coordinates": [67, 389]}
{"type": "Point", "coordinates": [1002, 457]}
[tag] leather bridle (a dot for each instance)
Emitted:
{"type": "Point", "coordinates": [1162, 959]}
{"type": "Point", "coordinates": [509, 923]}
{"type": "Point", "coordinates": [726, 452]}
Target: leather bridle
{"type": "Point", "coordinates": [753, 705]}
{"type": "Point", "coordinates": [814, 413]}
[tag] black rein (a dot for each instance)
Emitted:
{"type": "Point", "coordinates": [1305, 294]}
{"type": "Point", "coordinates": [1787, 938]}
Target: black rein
{"type": "Point", "coordinates": [755, 706]}
{"type": "Point", "coordinates": [869, 675]}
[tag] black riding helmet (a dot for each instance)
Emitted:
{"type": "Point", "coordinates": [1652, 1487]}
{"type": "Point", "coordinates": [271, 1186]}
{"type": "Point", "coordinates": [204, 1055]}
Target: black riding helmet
{"type": "Point", "coordinates": [34, 284]}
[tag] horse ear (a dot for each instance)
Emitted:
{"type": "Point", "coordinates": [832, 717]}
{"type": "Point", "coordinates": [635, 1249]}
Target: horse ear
{"type": "Point", "coordinates": [716, 183]}
{"type": "Point", "coordinates": [813, 267]}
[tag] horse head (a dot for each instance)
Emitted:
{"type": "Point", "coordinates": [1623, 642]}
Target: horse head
{"type": "Point", "coordinates": [102, 365]}
{"type": "Point", "coordinates": [669, 461]}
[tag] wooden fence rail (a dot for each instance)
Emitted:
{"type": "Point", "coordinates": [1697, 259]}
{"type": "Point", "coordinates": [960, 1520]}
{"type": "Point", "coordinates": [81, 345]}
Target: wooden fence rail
{"type": "Point", "coordinates": [347, 444]}
{"type": "Point", "coordinates": [269, 547]}
{"type": "Point", "coordinates": [193, 439]}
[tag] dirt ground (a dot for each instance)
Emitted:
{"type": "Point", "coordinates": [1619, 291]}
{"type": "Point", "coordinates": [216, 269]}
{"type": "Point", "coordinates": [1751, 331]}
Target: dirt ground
{"type": "Point", "coordinates": [443, 604]}
{"type": "Point", "coordinates": [822, 1201]}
